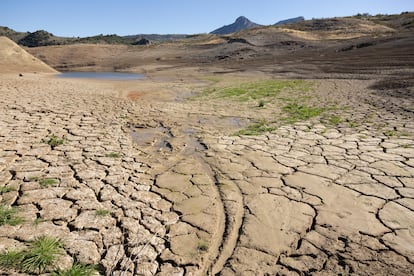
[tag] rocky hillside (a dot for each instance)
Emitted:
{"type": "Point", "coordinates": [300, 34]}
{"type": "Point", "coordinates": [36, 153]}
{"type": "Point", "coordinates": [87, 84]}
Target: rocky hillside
{"type": "Point", "coordinates": [12, 34]}
{"type": "Point", "coordinates": [290, 20]}
{"type": "Point", "coordinates": [243, 23]}
{"type": "Point", "coordinates": [350, 25]}
{"type": "Point", "coordinates": [40, 38]}
{"type": "Point", "coordinates": [44, 38]}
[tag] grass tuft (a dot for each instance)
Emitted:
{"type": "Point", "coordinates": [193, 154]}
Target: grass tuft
{"type": "Point", "coordinates": [335, 120]}
{"type": "Point", "coordinates": [202, 246]}
{"type": "Point", "coordinates": [297, 112]}
{"type": "Point", "coordinates": [102, 212]}
{"type": "Point", "coordinates": [55, 141]}
{"type": "Point", "coordinates": [260, 89]}
{"type": "Point", "coordinates": [37, 221]}
{"type": "Point", "coordinates": [11, 259]}
{"type": "Point", "coordinates": [6, 189]}
{"type": "Point", "coordinates": [257, 128]}
{"type": "Point", "coordinates": [8, 216]}
{"type": "Point", "coordinates": [261, 103]}
{"type": "Point", "coordinates": [353, 124]}
{"type": "Point", "coordinates": [48, 182]}
{"type": "Point", "coordinates": [41, 255]}
{"type": "Point", "coordinates": [114, 155]}
{"type": "Point", "coordinates": [77, 269]}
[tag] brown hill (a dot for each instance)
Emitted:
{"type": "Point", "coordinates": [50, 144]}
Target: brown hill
{"type": "Point", "coordinates": [15, 59]}
{"type": "Point", "coordinates": [336, 45]}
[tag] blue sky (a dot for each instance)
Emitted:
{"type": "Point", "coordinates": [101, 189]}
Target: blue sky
{"type": "Point", "coordinates": [123, 17]}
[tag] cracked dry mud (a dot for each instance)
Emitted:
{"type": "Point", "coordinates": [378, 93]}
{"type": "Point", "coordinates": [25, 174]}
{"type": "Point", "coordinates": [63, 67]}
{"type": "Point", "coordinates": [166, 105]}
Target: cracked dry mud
{"type": "Point", "coordinates": [161, 187]}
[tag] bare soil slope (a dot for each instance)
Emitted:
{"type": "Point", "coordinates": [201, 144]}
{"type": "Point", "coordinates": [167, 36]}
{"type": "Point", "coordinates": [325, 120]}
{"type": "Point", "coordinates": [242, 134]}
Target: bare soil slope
{"type": "Point", "coordinates": [14, 59]}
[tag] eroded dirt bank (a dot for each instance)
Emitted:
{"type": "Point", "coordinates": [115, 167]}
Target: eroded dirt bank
{"type": "Point", "coordinates": [143, 181]}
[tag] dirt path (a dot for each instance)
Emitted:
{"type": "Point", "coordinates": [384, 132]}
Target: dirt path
{"type": "Point", "coordinates": [161, 186]}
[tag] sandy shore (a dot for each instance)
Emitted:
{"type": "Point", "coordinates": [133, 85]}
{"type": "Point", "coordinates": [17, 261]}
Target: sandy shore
{"type": "Point", "coordinates": [148, 182]}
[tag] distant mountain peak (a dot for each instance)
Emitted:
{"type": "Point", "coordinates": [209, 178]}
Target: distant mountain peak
{"type": "Point", "coordinates": [242, 19]}
{"type": "Point", "coordinates": [241, 23]}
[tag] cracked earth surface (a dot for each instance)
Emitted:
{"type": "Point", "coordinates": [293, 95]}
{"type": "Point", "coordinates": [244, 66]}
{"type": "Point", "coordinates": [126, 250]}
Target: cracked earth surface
{"type": "Point", "coordinates": [150, 187]}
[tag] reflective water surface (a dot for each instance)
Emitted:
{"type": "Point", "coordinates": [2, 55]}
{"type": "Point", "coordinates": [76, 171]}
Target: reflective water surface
{"type": "Point", "coordinates": [102, 75]}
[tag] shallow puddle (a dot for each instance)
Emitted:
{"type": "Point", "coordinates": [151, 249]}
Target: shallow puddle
{"type": "Point", "coordinates": [101, 75]}
{"type": "Point", "coordinates": [152, 136]}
